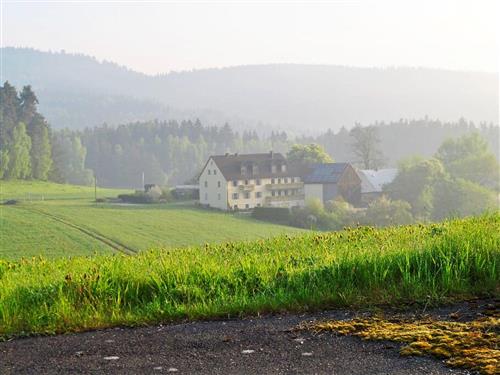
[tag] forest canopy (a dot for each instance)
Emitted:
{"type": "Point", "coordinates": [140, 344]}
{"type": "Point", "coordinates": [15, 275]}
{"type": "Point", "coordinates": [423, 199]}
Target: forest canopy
{"type": "Point", "coordinates": [173, 152]}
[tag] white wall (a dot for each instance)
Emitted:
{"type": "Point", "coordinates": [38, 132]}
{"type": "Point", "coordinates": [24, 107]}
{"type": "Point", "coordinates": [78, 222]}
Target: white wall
{"type": "Point", "coordinates": [313, 191]}
{"type": "Point", "coordinates": [251, 188]}
{"type": "Point", "coordinates": [213, 194]}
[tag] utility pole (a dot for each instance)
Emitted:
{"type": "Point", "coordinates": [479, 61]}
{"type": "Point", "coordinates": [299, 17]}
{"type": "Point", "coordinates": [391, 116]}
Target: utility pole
{"type": "Point", "coordinates": [95, 188]}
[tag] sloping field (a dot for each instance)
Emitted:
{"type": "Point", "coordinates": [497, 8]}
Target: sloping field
{"type": "Point", "coordinates": [425, 264]}
{"type": "Point", "coordinates": [25, 233]}
{"type": "Point", "coordinates": [81, 227]}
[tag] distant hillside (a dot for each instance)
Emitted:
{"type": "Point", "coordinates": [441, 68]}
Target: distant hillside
{"type": "Point", "coordinates": [78, 91]}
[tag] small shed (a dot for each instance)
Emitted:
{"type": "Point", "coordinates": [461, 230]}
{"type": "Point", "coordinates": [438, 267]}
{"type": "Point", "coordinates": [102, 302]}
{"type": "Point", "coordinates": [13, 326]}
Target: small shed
{"type": "Point", "coordinates": [333, 180]}
{"type": "Point", "coordinates": [373, 182]}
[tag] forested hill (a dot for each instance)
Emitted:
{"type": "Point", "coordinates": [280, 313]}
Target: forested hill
{"type": "Point", "coordinates": [78, 91]}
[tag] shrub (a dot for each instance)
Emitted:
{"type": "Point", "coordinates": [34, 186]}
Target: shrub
{"type": "Point", "coordinates": [138, 197]}
{"type": "Point", "coordinates": [274, 214]}
{"type": "Point", "coordinates": [385, 212]}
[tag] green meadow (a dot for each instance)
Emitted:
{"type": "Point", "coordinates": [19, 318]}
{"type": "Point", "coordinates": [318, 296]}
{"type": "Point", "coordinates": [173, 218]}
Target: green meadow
{"type": "Point", "coordinates": [69, 223]}
{"type": "Point", "coordinates": [427, 264]}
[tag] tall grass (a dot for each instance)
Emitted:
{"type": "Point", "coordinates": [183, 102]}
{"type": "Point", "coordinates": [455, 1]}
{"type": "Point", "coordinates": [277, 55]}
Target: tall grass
{"type": "Point", "coordinates": [359, 267]}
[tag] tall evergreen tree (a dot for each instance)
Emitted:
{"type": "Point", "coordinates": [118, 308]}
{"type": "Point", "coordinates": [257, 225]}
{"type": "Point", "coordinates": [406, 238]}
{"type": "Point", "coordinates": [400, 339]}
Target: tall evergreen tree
{"type": "Point", "coordinates": [28, 103]}
{"type": "Point", "coordinates": [41, 158]}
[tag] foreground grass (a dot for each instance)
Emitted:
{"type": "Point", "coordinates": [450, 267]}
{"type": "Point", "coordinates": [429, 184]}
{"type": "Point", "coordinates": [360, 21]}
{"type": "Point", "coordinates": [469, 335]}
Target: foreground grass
{"type": "Point", "coordinates": [423, 263]}
{"type": "Point", "coordinates": [50, 228]}
{"type": "Point", "coordinates": [474, 345]}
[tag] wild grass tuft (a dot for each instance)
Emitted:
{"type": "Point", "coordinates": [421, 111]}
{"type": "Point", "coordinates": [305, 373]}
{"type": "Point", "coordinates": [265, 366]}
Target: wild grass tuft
{"type": "Point", "coordinates": [356, 267]}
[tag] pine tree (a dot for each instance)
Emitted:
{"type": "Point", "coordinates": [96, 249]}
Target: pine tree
{"type": "Point", "coordinates": [28, 102]}
{"type": "Point", "coordinates": [41, 158]}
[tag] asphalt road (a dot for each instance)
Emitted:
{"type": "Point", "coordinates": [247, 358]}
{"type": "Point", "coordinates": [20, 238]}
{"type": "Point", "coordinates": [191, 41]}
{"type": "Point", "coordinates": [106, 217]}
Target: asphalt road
{"type": "Point", "coordinates": [267, 345]}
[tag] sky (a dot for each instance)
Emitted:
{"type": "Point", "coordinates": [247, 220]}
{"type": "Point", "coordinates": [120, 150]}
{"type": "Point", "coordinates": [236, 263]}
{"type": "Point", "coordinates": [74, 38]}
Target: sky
{"type": "Point", "coordinates": [161, 36]}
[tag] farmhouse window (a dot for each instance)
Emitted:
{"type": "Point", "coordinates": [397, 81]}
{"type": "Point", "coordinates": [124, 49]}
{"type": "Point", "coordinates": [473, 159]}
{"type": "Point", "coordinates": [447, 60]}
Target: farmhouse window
{"type": "Point", "coordinates": [206, 183]}
{"type": "Point", "coordinates": [235, 183]}
{"type": "Point", "coordinates": [209, 171]}
{"type": "Point", "coordinates": [247, 195]}
{"type": "Point", "coordinates": [258, 194]}
{"type": "Point", "coordinates": [218, 183]}
{"type": "Point", "coordinates": [247, 205]}
{"type": "Point", "coordinates": [235, 195]}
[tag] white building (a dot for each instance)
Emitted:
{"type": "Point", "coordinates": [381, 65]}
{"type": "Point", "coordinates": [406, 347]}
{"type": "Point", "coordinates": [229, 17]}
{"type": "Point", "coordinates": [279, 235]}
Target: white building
{"type": "Point", "coordinates": [233, 181]}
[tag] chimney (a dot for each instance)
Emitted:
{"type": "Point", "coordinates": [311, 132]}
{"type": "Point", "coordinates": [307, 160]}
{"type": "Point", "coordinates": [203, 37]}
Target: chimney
{"type": "Point", "coordinates": [271, 154]}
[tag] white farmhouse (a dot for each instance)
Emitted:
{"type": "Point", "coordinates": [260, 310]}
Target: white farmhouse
{"type": "Point", "coordinates": [233, 181]}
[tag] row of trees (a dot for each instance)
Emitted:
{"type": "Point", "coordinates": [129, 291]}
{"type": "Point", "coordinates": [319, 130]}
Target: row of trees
{"type": "Point", "coordinates": [462, 178]}
{"type": "Point", "coordinates": [173, 152]}
{"type": "Point", "coordinates": [28, 147]}
{"type": "Point", "coordinates": [25, 149]}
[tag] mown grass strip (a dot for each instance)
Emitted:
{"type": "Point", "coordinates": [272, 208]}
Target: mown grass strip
{"type": "Point", "coordinates": [115, 245]}
{"type": "Point", "coordinates": [361, 267]}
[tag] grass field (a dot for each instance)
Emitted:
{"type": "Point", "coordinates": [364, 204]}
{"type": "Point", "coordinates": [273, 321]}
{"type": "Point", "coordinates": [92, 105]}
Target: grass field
{"type": "Point", "coordinates": [27, 190]}
{"type": "Point", "coordinates": [70, 223]}
{"type": "Point", "coordinates": [361, 267]}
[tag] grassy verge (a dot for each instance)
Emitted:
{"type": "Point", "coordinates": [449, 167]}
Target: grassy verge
{"type": "Point", "coordinates": [428, 263]}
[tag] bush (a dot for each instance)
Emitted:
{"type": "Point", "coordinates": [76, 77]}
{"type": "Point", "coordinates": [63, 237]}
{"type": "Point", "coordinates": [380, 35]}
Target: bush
{"type": "Point", "coordinates": [138, 197]}
{"type": "Point", "coordinates": [166, 195]}
{"type": "Point", "coordinates": [384, 212]}
{"type": "Point", "coordinates": [274, 214]}
{"type": "Point", "coordinates": [10, 202]}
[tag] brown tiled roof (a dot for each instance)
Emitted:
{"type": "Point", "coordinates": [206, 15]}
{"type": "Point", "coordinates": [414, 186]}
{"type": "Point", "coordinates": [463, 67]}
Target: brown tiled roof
{"type": "Point", "coordinates": [230, 166]}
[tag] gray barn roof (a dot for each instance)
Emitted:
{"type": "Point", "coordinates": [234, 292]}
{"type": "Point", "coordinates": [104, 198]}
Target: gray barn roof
{"type": "Point", "coordinates": [373, 181]}
{"type": "Point", "coordinates": [326, 173]}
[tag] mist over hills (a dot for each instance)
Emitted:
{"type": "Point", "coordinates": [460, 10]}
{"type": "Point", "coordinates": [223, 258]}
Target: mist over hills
{"type": "Point", "coordinates": [77, 91]}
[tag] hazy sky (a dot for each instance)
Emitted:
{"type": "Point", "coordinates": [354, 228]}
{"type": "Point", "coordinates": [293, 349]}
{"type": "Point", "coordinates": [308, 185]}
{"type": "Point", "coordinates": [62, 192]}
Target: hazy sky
{"type": "Point", "coordinates": [161, 36]}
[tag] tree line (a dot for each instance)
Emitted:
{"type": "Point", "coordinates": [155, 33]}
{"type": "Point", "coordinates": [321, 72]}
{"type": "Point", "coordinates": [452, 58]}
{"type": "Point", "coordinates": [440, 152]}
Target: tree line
{"type": "Point", "coordinates": [29, 149]}
{"type": "Point", "coordinates": [172, 152]}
